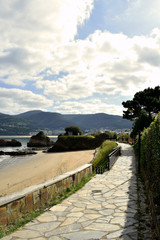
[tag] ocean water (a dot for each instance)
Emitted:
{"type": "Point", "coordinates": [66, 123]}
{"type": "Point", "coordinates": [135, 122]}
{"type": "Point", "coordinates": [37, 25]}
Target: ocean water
{"type": "Point", "coordinates": [8, 161]}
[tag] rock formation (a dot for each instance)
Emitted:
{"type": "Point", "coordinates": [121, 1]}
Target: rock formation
{"type": "Point", "coordinates": [12, 143]}
{"type": "Point", "coordinates": [74, 143]}
{"type": "Point", "coordinates": [17, 153]}
{"type": "Point", "coordinates": [40, 140]}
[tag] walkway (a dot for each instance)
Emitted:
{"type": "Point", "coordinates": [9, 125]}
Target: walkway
{"type": "Point", "coordinates": [105, 208]}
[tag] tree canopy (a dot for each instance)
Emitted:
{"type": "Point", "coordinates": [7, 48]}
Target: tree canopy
{"type": "Point", "coordinates": [74, 130]}
{"type": "Point", "coordinates": [147, 100]}
{"type": "Point", "coordinates": [140, 123]}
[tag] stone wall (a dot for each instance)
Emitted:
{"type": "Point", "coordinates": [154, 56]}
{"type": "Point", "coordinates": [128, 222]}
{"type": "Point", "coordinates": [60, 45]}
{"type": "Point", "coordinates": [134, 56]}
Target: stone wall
{"type": "Point", "coordinates": [15, 206]}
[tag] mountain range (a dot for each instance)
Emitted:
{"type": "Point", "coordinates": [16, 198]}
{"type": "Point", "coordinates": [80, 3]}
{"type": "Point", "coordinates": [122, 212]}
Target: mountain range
{"type": "Point", "coordinates": [36, 120]}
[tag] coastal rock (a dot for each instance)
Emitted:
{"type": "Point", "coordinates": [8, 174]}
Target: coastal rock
{"type": "Point", "coordinates": [17, 153]}
{"type": "Point", "coordinates": [12, 143]}
{"type": "Point", "coordinates": [76, 143]}
{"type": "Point", "coordinates": [40, 140]}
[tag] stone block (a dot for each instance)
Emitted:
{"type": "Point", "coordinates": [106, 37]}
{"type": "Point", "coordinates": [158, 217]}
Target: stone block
{"type": "Point", "coordinates": [22, 206]}
{"type": "Point", "coordinates": [3, 215]}
{"type": "Point", "coordinates": [44, 195]}
{"type": "Point", "coordinates": [3, 210]}
{"type": "Point", "coordinates": [36, 199]}
{"type": "Point", "coordinates": [68, 182]}
{"type": "Point", "coordinates": [29, 202]}
{"type": "Point", "coordinates": [76, 179]}
{"type": "Point", "coordinates": [3, 220]}
{"type": "Point", "coordinates": [59, 187]}
{"type": "Point", "coordinates": [51, 191]}
{"type": "Point", "coordinates": [14, 206]}
{"type": "Point", "coordinates": [13, 210]}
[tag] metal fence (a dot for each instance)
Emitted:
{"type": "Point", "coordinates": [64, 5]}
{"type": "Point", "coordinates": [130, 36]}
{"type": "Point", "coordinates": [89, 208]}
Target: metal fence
{"type": "Point", "coordinates": [110, 161]}
{"type": "Point", "coordinates": [112, 157]}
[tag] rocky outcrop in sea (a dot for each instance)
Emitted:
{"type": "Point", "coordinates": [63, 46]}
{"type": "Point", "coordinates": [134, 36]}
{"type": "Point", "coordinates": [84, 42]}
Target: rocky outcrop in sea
{"type": "Point", "coordinates": [17, 153]}
{"type": "Point", "coordinates": [12, 143]}
{"type": "Point", "coordinates": [40, 140]}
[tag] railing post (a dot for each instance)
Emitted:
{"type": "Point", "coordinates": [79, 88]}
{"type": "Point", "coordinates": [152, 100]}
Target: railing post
{"type": "Point", "coordinates": [108, 163]}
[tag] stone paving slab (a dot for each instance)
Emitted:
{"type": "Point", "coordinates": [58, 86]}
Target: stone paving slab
{"type": "Point", "coordinates": [105, 208]}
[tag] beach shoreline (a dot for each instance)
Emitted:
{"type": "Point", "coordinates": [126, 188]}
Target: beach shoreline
{"type": "Point", "coordinates": [40, 168]}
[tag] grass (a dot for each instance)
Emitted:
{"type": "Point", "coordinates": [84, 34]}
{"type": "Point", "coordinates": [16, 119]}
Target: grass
{"type": "Point", "coordinates": [5, 230]}
{"type": "Point", "coordinates": [103, 151]}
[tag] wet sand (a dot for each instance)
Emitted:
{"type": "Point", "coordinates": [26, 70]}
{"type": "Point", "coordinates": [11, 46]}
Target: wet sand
{"type": "Point", "coordinates": [39, 168]}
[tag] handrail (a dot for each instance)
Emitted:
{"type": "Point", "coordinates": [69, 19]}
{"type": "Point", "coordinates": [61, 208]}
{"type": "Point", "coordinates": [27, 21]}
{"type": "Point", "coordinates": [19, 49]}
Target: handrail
{"type": "Point", "coordinates": [112, 157]}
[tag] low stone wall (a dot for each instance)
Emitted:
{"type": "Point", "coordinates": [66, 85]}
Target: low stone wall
{"type": "Point", "coordinates": [15, 206]}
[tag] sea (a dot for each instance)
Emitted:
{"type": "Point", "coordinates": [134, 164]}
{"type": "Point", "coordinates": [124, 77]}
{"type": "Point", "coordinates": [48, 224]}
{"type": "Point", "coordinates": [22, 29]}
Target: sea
{"type": "Point", "coordinates": [9, 161]}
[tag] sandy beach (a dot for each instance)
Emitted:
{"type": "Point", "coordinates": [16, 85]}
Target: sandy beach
{"type": "Point", "coordinates": [39, 168]}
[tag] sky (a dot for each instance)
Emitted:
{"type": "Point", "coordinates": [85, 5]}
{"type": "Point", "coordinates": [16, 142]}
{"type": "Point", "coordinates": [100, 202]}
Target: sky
{"type": "Point", "coordinates": [77, 57]}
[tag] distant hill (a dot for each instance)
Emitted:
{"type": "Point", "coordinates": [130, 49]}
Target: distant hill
{"type": "Point", "coordinates": [24, 123]}
{"type": "Point", "coordinates": [45, 119]}
{"type": "Point", "coordinates": [100, 120]}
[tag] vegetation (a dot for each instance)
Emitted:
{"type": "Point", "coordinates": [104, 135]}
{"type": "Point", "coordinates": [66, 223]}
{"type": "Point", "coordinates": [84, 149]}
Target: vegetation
{"type": "Point", "coordinates": [39, 135]}
{"type": "Point", "coordinates": [74, 143]}
{"type": "Point", "coordinates": [150, 157]}
{"type": "Point", "coordinates": [73, 130]}
{"type": "Point", "coordinates": [124, 136]}
{"type": "Point", "coordinates": [106, 135]}
{"type": "Point", "coordinates": [103, 151]}
{"type": "Point", "coordinates": [58, 199]}
{"type": "Point", "coordinates": [81, 142]}
{"type": "Point", "coordinates": [147, 100]}
{"type": "Point", "coordinates": [142, 122]}
{"type": "Point", "coordinates": [40, 140]}
{"type": "Point", "coordinates": [142, 108]}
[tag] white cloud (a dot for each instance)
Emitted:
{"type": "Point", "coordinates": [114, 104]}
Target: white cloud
{"type": "Point", "coordinates": [30, 29]}
{"type": "Point", "coordinates": [104, 63]}
{"type": "Point", "coordinates": [37, 44]}
{"type": "Point", "coordinates": [17, 101]}
{"type": "Point", "coordinates": [88, 106]}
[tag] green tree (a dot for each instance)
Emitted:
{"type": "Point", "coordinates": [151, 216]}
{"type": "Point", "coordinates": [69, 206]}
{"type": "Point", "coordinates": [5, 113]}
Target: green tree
{"type": "Point", "coordinates": [74, 130]}
{"type": "Point", "coordinates": [140, 123]}
{"type": "Point", "coordinates": [147, 100]}
{"type": "Point", "coordinates": [142, 108]}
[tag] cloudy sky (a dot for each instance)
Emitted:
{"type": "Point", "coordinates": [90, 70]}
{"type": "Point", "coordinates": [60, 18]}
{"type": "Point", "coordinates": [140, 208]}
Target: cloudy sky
{"type": "Point", "coordinates": [77, 56]}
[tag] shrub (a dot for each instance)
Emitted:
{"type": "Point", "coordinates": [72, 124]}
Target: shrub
{"type": "Point", "coordinates": [74, 130]}
{"type": "Point", "coordinates": [102, 156]}
{"type": "Point", "coordinates": [106, 135]}
{"type": "Point", "coordinates": [74, 143]}
{"type": "Point", "coordinates": [150, 156]}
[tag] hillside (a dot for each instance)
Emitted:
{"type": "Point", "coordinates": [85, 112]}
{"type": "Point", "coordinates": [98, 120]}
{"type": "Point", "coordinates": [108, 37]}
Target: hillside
{"type": "Point", "coordinates": [24, 123]}
{"type": "Point", "coordinates": [13, 125]}
{"type": "Point", "coordinates": [102, 120]}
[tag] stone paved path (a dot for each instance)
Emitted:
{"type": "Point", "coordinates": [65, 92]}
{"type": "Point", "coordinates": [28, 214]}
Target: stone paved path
{"type": "Point", "coordinates": [105, 208]}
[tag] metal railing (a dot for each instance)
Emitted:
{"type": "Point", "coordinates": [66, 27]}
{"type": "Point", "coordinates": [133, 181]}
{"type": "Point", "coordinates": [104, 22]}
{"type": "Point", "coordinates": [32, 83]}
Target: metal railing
{"type": "Point", "coordinates": [112, 157]}
{"type": "Point", "coordinates": [98, 170]}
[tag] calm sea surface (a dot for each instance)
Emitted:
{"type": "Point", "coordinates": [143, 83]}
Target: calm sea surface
{"type": "Point", "coordinates": [8, 161]}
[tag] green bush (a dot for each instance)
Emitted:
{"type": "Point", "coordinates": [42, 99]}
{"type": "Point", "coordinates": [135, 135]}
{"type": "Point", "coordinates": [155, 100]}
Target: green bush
{"type": "Point", "coordinates": [74, 130]}
{"type": "Point", "coordinates": [75, 143]}
{"type": "Point", "coordinates": [124, 136]}
{"type": "Point", "coordinates": [106, 135]}
{"type": "Point", "coordinates": [150, 156]}
{"type": "Point", "coordinates": [103, 151]}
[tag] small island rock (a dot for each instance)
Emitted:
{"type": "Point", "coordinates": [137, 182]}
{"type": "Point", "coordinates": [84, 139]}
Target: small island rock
{"type": "Point", "coordinates": [40, 140]}
{"type": "Point", "coordinates": [12, 143]}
